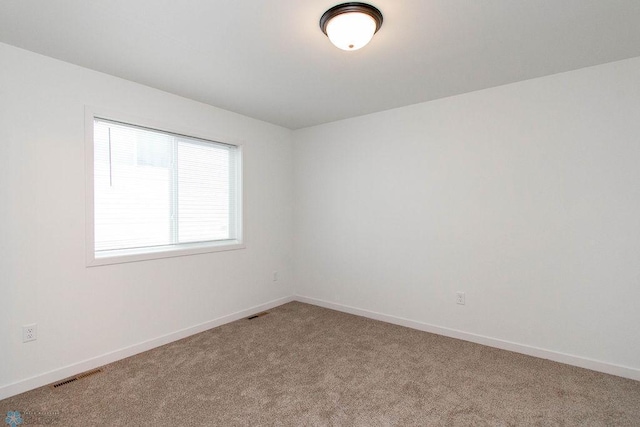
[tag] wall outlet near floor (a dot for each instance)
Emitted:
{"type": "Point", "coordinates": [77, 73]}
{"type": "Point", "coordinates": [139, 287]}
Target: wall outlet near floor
{"type": "Point", "coordinates": [29, 333]}
{"type": "Point", "coordinates": [460, 298]}
{"type": "Point", "coordinates": [275, 276]}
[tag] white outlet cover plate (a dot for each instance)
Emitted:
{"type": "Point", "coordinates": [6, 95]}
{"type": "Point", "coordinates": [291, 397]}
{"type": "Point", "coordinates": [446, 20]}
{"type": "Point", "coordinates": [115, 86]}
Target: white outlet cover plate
{"type": "Point", "coordinates": [29, 333]}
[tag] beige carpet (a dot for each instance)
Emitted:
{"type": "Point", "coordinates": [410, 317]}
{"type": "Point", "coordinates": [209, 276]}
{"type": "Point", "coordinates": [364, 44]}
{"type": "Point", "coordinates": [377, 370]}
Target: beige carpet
{"type": "Point", "coordinates": [305, 365]}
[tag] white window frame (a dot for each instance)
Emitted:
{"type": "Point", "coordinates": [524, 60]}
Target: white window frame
{"type": "Point", "coordinates": [133, 255]}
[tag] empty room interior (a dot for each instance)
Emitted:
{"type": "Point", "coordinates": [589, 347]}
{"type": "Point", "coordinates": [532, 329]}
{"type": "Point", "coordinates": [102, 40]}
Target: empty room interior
{"type": "Point", "coordinates": [235, 213]}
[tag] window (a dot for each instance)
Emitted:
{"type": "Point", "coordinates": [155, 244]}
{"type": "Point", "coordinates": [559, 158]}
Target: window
{"type": "Point", "coordinates": [157, 193]}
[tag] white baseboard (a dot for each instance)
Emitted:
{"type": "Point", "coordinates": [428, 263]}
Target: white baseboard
{"type": "Point", "coordinates": [569, 359]}
{"type": "Point", "coordinates": [76, 368]}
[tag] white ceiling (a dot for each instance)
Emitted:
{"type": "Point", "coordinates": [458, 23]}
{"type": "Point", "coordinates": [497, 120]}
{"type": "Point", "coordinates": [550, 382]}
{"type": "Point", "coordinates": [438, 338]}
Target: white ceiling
{"type": "Point", "coordinates": [269, 60]}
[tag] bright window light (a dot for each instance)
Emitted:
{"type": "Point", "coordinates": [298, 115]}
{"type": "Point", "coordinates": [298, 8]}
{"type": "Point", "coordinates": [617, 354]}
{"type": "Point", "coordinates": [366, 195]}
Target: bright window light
{"type": "Point", "coordinates": [156, 192]}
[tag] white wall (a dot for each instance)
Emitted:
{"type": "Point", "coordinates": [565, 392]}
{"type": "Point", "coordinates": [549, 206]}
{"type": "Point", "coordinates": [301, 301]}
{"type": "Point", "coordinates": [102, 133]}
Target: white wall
{"type": "Point", "coordinates": [87, 313]}
{"type": "Point", "coordinates": [526, 197]}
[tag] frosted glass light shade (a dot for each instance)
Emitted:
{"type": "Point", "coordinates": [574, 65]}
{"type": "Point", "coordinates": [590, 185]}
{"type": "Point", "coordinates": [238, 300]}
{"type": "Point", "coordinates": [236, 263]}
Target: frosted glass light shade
{"type": "Point", "coordinates": [351, 31]}
{"type": "Point", "coordinates": [352, 25]}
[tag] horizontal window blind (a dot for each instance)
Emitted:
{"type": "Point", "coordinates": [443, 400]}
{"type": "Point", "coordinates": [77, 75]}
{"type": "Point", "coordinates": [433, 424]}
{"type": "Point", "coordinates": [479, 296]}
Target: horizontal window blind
{"type": "Point", "coordinates": [154, 188]}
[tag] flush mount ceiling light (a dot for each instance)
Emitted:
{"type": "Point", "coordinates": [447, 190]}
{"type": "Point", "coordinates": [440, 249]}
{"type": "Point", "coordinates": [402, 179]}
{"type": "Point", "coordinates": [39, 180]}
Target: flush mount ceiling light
{"type": "Point", "coordinates": [352, 25]}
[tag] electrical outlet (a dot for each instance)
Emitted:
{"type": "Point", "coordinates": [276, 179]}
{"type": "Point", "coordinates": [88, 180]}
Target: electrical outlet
{"type": "Point", "coordinates": [460, 298]}
{"type": "Point", "coordinates": [275, 276]}
{"type": "Point", "coordinates": [29, 333]}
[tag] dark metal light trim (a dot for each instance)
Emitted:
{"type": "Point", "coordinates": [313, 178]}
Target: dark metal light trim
{"type": "Point", "coordinates": [351, 7]}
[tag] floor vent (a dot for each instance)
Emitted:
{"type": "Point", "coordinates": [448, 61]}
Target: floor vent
{"type": "Point", "coordinates": [76, 378]}
{"type": "Point", "coordinates": [264, 313]}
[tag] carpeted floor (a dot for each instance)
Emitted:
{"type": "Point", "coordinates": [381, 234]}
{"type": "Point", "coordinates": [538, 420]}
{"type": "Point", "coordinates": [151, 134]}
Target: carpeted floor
{"type": "Point", "coordinates": [305, 365]}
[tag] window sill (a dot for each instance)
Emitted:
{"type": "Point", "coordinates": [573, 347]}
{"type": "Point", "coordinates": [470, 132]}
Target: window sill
{"type": "Point", "coordinates": [121, 256]}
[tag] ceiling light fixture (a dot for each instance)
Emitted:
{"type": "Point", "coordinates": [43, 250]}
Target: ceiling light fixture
{"type": "Point", "coordinates": [352, 25]}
